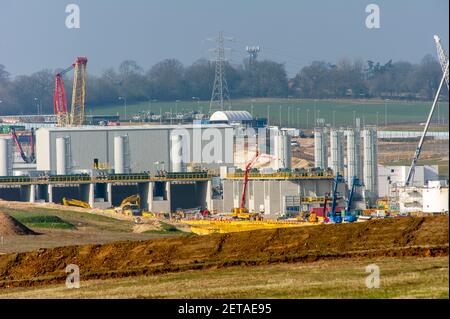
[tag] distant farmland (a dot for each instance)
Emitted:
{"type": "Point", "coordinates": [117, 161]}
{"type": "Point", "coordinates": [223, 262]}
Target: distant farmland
{"type": "Point", "coordinates": [295, 112]}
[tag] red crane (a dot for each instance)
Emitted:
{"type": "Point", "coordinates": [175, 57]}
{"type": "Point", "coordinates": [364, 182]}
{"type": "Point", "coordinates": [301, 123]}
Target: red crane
{"type": "Point", "coordinates": [78, 95]}
{"type": "Point", "coordinates": [247, 170]}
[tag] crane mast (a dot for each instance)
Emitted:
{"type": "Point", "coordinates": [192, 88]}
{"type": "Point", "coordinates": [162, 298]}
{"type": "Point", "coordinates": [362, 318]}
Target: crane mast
{"type": "Point", "coordinates": [444, 64]}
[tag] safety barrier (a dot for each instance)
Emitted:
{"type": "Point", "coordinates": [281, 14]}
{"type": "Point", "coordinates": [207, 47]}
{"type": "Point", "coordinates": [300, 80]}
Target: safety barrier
{"type": "Point", "coordinates": [107, 178]}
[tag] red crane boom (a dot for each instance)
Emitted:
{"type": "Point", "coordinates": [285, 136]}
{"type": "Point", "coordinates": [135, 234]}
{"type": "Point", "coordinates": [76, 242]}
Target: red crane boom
{"type": "Point", "coordinates": [247, 170]}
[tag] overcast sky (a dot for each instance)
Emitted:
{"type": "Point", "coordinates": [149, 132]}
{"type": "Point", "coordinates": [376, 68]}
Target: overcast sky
{"type": "Point", "coordinates": [33, 34]}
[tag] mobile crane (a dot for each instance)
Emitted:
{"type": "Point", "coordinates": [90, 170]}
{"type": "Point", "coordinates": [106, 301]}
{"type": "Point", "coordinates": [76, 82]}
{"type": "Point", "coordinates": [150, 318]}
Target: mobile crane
{"type": "Point", "coordinates": [241, 211]}
{"type": "Point", "coordinates": [348, 216]}
{"type": "Point", "coordinates": [334, 217]}
{"type": "Point", "coordinates": [444, 64]}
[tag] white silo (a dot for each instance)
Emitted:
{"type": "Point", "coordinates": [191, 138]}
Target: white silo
{"type": "Point", "coordinates": [370, 163]}
{"type": "Point", "coordinates": [119, 154]}
{"type": "Point", "coordinates": [353, 155]}
{"type": "Point", "coordinates": [320, 148]}
{"type": "Point", "coordinates": [337, 154]}
{"type": "Point", "coordinates": [176, 153]}
{"type": "Point", "coordinates": [6, 156]}
{"type": "Point", "coordinates": [61, 156]}
{"type": "Point", "coordinates": [283, 153]}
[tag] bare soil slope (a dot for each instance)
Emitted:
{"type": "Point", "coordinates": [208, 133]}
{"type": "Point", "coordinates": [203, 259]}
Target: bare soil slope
{"type": "Point", "coordinates": [9, 226]}
{"type": "Point", "coordinates": [418, 236]}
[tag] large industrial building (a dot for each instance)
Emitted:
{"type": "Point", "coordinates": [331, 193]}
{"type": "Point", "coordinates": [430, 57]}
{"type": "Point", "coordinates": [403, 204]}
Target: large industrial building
{"type": "Point", "coordinates": [132, 149]}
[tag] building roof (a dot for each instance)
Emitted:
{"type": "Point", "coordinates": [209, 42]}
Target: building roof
{"type": "Point", "coordinates": [131, 127]}
{"type": "Point", "coordinates": [231, 116]}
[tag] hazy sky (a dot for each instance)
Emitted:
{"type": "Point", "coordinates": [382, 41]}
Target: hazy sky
{"type": "Point", "coordinates": [33, 34]}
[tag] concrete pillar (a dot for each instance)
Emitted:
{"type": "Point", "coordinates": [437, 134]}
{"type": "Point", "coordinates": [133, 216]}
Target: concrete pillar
{"type": "Point", "coordinates": [209, 201]}
{"type": "Point", "coordinates": [109, 192]}
{"type": "Point", "coordinates": [91, 195]}
{"type": "Point", "coordinates": [50, 193]}
{"type": "Point", "coordinates": [169, 197]}
{"type": "Point", "coordinates": [32, 198]}
{"type": "Point", "coordinates": [150, 197]}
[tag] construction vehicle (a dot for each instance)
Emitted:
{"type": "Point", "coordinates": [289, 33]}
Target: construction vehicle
{"type": "Point", "coordinates": [335, 217]}
{"type": "Point", "coordinates": [25, 157]}
{"type": "Point", "coordinates": [130, 206]}
{"type": "Point", "coordinates": [348, 215]}
{"type": "Point", "coordinates": [76, 116]}
{"type": "Point", "coordinates": [242, 212]}
{"type": "Point", "coordinates": [444, 64]}
{"type": "Point", "coordinates": [75, 202]}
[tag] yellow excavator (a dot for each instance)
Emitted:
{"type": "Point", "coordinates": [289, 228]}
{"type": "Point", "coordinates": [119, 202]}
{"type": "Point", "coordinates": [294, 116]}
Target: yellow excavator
{"type": "Point", "coordinates": [130, 206]}
{"type": "Point", "coordinates": [75, 202]}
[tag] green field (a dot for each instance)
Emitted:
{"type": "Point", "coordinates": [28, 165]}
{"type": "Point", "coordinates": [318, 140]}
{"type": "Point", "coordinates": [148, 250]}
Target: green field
{"type": "Point", "coordinates": [294, 112]}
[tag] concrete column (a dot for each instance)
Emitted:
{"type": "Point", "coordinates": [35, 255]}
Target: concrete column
{"type": "Point", "coordinates": [91, 195]}
{"type": "Point", "coordinates": [209, 201]}
{"type": "Point", "coordinates": [150, 196]}
{"type": "Point", "coordinates": [32, 198]}
{"type": "Point", "coordinates": [50, 193]}
{"type": "Point", "coordinates": [109, 192]}
{"type": "Point", "coordinates": [169, 197]}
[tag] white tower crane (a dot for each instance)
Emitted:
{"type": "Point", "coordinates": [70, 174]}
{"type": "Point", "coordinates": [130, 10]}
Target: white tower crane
{"type": "Point", "coordinates": [444, 64]}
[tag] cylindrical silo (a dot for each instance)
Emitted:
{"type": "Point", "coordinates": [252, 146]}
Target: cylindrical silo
{"type": "Point", "coordinates": [320, 148]}
{"type": "Point", "coordinates": [119, 154]}
{"type": "Point", "coordinates": [5, 157]}
{"type": "Point", "coordinates": [337, 156]}
{"type": "Point", "coordinates": [61, 156]}
{"type": "Point", "coordinates": [370, 163]}
{"type": "Point", "coordinates": [353, 155]}
{"type": "Point", "coordinates": [283, 153]}
{"type": "Point", "coordinates": [176, 153]}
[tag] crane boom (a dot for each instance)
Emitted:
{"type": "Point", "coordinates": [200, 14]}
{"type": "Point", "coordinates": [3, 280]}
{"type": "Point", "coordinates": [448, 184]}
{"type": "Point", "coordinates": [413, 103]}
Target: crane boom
{"type": "Point", "coordinates": [443, 59]}
{"type": "Point", "coordinates": [247, 170]}
{"type": "Point", "coordinates": [76, 116]}
{"type": "Point", "coordinates": [410, 176]}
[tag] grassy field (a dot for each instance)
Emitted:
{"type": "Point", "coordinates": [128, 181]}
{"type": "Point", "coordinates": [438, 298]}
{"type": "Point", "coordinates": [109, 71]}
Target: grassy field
{"type": "Point", "coordinates": [412, 277]}
{"type": "Point", "coordinates": [60, 227]}
{"type": "Point", "coordinates": [294, 112]}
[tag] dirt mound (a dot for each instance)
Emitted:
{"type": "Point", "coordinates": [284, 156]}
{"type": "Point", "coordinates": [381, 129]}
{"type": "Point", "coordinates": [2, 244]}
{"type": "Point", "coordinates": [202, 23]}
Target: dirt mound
{"type": "Point", "coordinates": [9, 226]}
{"type": "Point", "coordinates": [418, 236]}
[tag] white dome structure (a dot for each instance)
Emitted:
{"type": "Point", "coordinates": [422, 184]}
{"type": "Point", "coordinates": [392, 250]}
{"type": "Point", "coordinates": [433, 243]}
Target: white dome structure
{"type": "Point", "coordinates": [231, 117]}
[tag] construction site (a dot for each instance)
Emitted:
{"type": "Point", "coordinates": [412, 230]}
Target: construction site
{"type": "Point", "coordinates": [124, 201]}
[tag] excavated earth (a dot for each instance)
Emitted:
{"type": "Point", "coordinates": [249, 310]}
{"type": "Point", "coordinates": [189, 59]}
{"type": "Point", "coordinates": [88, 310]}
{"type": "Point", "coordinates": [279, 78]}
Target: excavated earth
{"type": "Point", "coordinates": [414, 236]}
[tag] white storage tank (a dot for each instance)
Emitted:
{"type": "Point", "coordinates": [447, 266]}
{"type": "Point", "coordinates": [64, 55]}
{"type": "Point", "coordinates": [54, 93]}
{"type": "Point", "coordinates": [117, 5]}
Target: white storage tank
{"type": "Point", "coordinates": [119, 155]}
{"type": "Point", "coordinates": [6, 153]}
{"type": "Point", "coordinates": [320, 148]}
{"type": "Point", "coordinates": [370, 163]}
{"type": "Point", "coordinates": [282, 146]}
{"type": "Point", "coordinates": [61, 156]}
{"type": "Point", "coordinates": [337, 156]}
{"type": "Point", "coordinates": [353, 155]}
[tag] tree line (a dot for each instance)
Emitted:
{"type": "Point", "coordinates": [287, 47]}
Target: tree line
{"type": "Point", "coordinates": [170, 80]}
